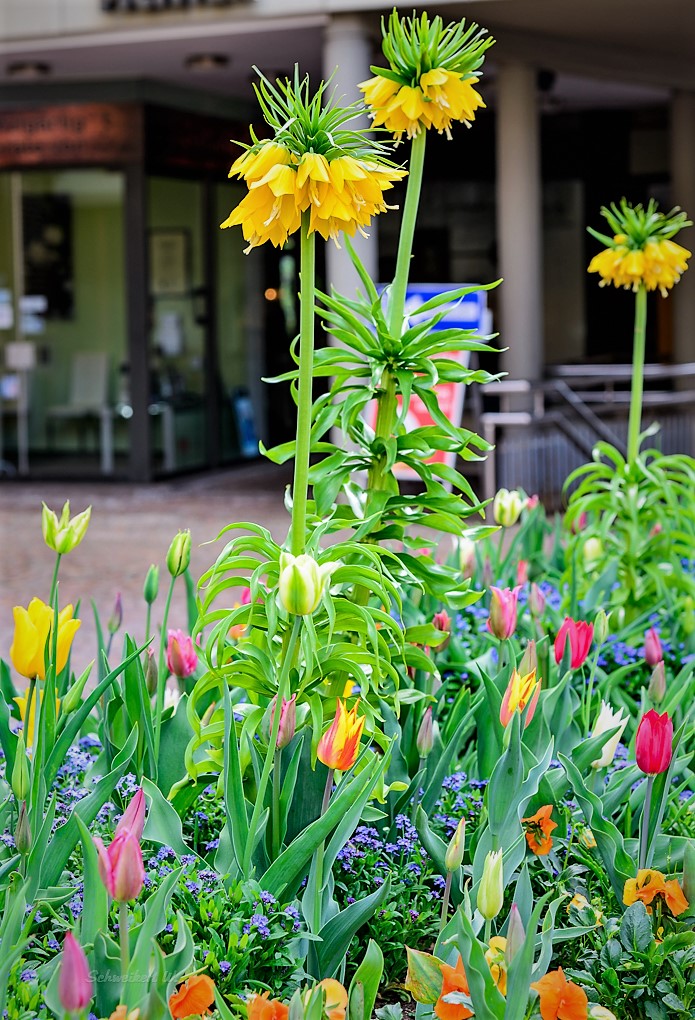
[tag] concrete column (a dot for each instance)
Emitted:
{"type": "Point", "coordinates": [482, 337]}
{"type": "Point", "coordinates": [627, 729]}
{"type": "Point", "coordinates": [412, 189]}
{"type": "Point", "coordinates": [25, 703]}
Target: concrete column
{"type": "Point", "coordinates": [519, 221]}
{"type": "Point", "coordinates": [347, 54]}
{"type": "Point", "coordinates": [683, 194]}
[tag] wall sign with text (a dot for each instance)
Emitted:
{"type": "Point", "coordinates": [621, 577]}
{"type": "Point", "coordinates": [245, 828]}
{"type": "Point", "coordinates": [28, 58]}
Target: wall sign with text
{"type": "Point", "coordinates": [148, 6]}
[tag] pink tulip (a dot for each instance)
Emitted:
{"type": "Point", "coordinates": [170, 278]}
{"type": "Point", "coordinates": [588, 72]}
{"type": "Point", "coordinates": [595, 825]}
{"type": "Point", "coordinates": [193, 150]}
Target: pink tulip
{"type": "Point", "coordinates": [654, 742]}
{"type": "Point", "coordinates": [120, 867]}
{"type": "Point", "coordinates": [503, 605]}
{"type": "Point", "coordinates": [288, 720]}
{"type": "Point", "coordinates": [245, 596]}
{"type": "Point", "coordinates": [580, 634]}
{"type": "Point", "coordinates": [580, 523]}
{"type": "Point", "coordinates": [533, 501]}
{"type": "Point", "coordinates": [522, 572]}
{"type": "Point", "coordinates": [653, 651]}
{"type": "Point", "coordinates": [182, 658]}
{"type": "Point", "coordinates": [442, 621]}
{"type": "Point", "coordinates": [536, 600]}
{"type": "Point", "coordinates": [133, 818]}
{"type": "Point", "coordinates": [75, 988]}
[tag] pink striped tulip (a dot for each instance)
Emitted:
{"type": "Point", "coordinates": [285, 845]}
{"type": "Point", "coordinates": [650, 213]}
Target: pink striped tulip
{"type": "Point", "coordinates": [503, 606]}
{"type": "Point", "coordinates": [75, 988]}
{"type": "Point", "coordinates": [120, 867]}
{"type": "Point", "coordinates": [182, 658]}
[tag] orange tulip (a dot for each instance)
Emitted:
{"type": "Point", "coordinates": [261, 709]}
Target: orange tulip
{"type": "Point", "coordinates": [538, 829]}
{"type": "Point", "coordinates": [561, 999]}
{"type": "Point", "coordinates": [339, 746]}
{"type": "Point", "coordinates": [263, 1008]}
{"type": "Point", "coordinates": [453, 980]}
{"type": "Point", "coordinates": [193, 998]}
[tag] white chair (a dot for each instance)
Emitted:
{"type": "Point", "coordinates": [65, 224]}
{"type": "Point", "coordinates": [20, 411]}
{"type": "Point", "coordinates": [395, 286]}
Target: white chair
{"type": "Point", "coordinates": [88, 400]}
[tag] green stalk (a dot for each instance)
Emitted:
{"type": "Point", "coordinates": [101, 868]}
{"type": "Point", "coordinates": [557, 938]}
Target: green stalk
{"type": "Point", "coordinates": [300, 483]}
{"type": "Point", "coordinates": [276, 799]}
{"type": "Point", "coordinates": [272, 744]}
{"type": "Point", "coordinates": [487, 931]}
{"type": "Point", "coordinates": [445, 902]}
{"type": "Point", "coordinates": [320, 850]}
{"type": "Point", "coordinates": [54, 582]}
{"type": "Point", "coordinates": [589, 693]}
{"type": "Point", "coordinates": [123, 939]}
{"type": "Point", "coordinates": [635, 422]}
{"type": "Point", "coordinates": [387, 402]}
{"type": "Point", "coordinates": [644, 833]}
{"type": "Point", "coordinates": [161, 675]}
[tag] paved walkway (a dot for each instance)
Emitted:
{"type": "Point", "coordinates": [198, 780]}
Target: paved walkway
{"type": "Point", "coordinates": [131, 527]}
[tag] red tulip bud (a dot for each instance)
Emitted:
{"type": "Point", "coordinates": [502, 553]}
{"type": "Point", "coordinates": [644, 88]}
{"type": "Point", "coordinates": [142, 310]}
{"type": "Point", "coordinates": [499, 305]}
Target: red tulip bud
{"type": "Point", "coordinates": [654, 743]}
{"type": "Point", "coordinates": [580, 637]}
{"type": "Point", "coordinates": [653, 652]}
{"type": "Point", "coordinates": [288, 720]}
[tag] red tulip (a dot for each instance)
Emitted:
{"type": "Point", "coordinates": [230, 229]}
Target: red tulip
{"type": "Point", "coordinates": [181, 654]}
{"type": "Point", "coordinates": [653, 651]}
{"type": "Point", "coordinates": [133, 818]}
{"type": "Point", "coordinates": [654, 743]}
{"type": "Point", "coordinates": [75, 988]}
{"type": "Point", "coordinates": [581, 635]}
{"type": "Point", "coordinates": [120, 867]}
{"type": "Point", "coordinates": [503, 606]}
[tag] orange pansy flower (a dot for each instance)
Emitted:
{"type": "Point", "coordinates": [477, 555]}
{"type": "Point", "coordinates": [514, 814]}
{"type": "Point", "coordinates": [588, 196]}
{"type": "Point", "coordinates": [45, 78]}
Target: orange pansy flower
{"type": "Point", "coordinates": [336, 999]}
{"type": "Point", "coordinates": [538, 829]}
{"type": "Point", "coordinates": [453, 980]}
{"type": "Point", "coordinates": [193, 998]}
{"type": "Point", "coordinates": [645, 887]}
{"type": "Point", "coordinates": [261, 1007]}
{"type": "Point", "coordinates": [675, 897]}
{"type": "Point", "coordinates": [561, 999]}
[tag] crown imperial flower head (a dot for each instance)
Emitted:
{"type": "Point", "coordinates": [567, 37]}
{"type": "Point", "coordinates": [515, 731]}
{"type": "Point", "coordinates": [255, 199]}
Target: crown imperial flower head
{"type": "Point", "coordinates": [301, 582]}
{"type": "Point", "coordinates": [641, 252]}
{"type": "Point", "coordinates": [430, 80]}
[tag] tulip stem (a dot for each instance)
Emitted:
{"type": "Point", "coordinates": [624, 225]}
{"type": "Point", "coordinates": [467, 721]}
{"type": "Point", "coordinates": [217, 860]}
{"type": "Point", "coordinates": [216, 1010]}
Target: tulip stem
{"type": "Point", "coordinates": [487, 932]}
{"type": "Point", "coordinates": [277, 789]}
{"type": "Point", "coordinates": [644, 834]}
{"type": "Point", "coordinates": [300, 483]}
{"type": "Point", "coordinates": [287, 663]}
{"type": "Point", "coordinates": [161, 676]}
{"type": "Point", "coordinates": [123, 939]}
{"type": "Point", "coordinates": [54, 582]}
{"type": "Point", "coordinates": [445, 902]}
{"type": "Point", "coordinates": [589, 693]}
{"type": "Point", "coordinates": [635, 420]}
{"type": "Point", "coordinates": [320, 850]}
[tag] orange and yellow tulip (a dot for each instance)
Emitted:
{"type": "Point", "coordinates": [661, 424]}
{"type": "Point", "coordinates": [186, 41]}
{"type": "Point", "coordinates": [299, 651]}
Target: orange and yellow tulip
{"type": "Point", "coordinates": [32, 630]}
{"type": "Point", "coordinates": [521, 691]}
{"type": "Point", "coordinates": [339, 746]}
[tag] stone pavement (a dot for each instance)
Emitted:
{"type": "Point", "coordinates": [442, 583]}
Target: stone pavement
{"type": "Point", "coordinates": [131, 527]}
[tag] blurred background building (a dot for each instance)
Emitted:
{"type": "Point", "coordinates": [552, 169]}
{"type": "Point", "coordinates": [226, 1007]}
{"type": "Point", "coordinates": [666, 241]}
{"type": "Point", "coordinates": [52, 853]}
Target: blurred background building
{"type": "Point", "coordinates": [134, 332]}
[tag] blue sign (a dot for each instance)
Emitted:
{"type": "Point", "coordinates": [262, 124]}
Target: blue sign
{"type": "Point", "coordinates": [469, 312]}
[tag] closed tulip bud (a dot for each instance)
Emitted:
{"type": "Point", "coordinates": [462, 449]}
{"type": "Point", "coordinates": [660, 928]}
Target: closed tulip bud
{"type": "Point", "coordinates": [467, 557]}
{"type": "Point", "coordinates": [151, 588]}
{"type": "Point", "coordinates": [425, 734]}
{"type": "Point", "coordinates": [73, 696]}
{"type": "Point", "coordinates": [491, 887]}
{"type": "Point", "coordinates": [182, 657]}
{"type": "Point", "coordinates": [288, 720]}
{"type": "Point", "coordinates": [120, 866]}
{"type": "Point", "coordinates": [601, 626]}
{"type": "Point", "coordinates": [22, 836]}
{"type": "Point", "coordinates": [516, 935]}
{"type": "Point", "coordinates": [592, 552]}
{"type": "Point", "coordinates": [536, 600]}
{"type": "Point", "coordinates": [608, 719]}
{"type": "Point", "coordinates": [301, 583]}
{"type": "Point", "coordinates": [653, 651]}
{"type": "Point", "coordinates": [75, 988]}
{"type": "Point", "coordinates": [654, 743]}
{"type": "Point", "coordinates": [587, 839]}
{"type": "Point", "coordinates": [151, 673]}
{"type": "Point", "coordinates": [442, 621]}
{"type": "Point", "coordinates": [657, 684]}
{"type": "Point", "coordinates": [63, 535]}
{"type": "Point", "coordinates": [522, 572]}
{"type": "Point", "coordinates": [133, 818]}
{"type": "Point", "coordinates": [20, 770]}
{"type": "Point", "coordinates": [116, 618]}
{"type": "Point", "coordinates": [529, 660]}
{"type": "Point", "coordinates": [689, 871]}
{"type": "Point", "coordinates": [503, 608]}
{"type": "Point", "coordinates": [179, 554]}
{"type": "Point", "coordinates": [453, 857]}
{"type": "Point", "coordinates": [579, 523]}
{"type": "Point", "coordinates": [507, 506]}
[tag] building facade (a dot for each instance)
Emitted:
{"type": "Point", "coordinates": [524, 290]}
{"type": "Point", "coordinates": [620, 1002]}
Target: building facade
{"type": "Point", "coordinates": [134, 332]}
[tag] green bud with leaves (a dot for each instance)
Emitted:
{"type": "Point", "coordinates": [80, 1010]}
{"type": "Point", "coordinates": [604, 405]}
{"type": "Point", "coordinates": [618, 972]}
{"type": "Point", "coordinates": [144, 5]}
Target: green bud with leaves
{"type": "Point", "coordinates": [20, 772]}
{"type": "Point", "coordinates": [179, 555]}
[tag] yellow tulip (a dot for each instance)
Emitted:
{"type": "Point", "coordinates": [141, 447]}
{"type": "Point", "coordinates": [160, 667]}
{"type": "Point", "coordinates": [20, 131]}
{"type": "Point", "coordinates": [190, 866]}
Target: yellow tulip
{"type": "Point", "coordinates": [32, 630]}
{"type": "Point", "coordinates": [29, 723]}
{"type": "Point", "coordinates": [63, 534]}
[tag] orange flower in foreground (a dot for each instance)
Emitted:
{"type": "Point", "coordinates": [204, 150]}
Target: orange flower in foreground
{"type": "Point", "coordinates": [538, 828]}
{"type": "Point", "coordinates": [453, 980]}
{"type": "Point", "coordinates": [339, 746]}
{"type": "Point", "coordinates": [193, 998]}
{"type": "Point", "coordinates": [561, 999]}
{"type": "Point", "coordinates": [263, 1008]}
{"type": "Point", "coordinates": [336, 999]}
{"type": "Point", "coordinates": [675, 897]}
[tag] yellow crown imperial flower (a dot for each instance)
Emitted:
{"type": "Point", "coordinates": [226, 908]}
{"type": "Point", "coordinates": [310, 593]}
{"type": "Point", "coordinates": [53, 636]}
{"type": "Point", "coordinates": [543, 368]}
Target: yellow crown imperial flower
{"type": "Point", "coordinates": [32, 630]}
{"type": "Point", "coordinates": [313, 164]}
{"type": "Point", "coordinates": [429, 83]}
{"type": "Point", "coordinates": [641, 252]}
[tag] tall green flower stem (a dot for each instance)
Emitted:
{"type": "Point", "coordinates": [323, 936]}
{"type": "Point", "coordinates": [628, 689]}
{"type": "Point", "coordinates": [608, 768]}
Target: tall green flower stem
{"type": "Point", "coordinates": [644, 832]}
{"type": "Point", "coordinates": [589, 693]}
{"type": "Point", "coordinates": [300, 486]}
{"type": "Point", "coordinates": [387, 403]}
{"type": "Point", "coordinates": [123, 939]}
{"type": "Point", "coordinates": [283, 679]}
{"type": "Point", "coordinates": [320, 850]}
{"type": "Point", "coordinates": [161, 674]}
{"type": "Point", "coordinates": [277, 791]}
{"type": "Point", "coordinates": [635, 422]}
{"type": "Point", "coordinates": [445, 902]}
{"type": "Point", "coordinates": [54, 581]}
